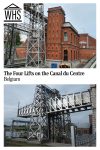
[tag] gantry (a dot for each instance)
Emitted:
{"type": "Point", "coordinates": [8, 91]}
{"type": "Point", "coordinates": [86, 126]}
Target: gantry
{"type": "Point", "coordinates": [50, 112]}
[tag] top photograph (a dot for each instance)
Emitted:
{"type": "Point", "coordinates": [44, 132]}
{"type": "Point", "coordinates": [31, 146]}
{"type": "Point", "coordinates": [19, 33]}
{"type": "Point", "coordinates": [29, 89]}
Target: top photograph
{"type": "Point", "coordinates": [51, 35]}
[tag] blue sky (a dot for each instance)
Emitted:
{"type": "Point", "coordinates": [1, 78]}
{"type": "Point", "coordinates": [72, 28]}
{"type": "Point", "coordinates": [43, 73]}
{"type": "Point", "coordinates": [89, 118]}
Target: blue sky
{"type": "Point", "coordinates": [13, 94]}
{"type": "Point", "coordinates": [81, 15]}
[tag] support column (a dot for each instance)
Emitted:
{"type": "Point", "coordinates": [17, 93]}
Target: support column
{"type": "Point", "coordinates": [72, 135]}
{"type": "Point", "coordinates": [93, 100]}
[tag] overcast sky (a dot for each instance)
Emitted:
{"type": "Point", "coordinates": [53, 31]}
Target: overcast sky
{"type": "Point", "coordinates": [13, 94]}
{"type": "Point", "coordinates": [81, 15]}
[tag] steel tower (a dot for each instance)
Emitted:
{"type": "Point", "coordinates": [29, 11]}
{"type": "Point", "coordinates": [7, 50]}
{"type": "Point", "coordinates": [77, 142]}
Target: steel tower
{"type": "Point", "coordinates": [35, 55]}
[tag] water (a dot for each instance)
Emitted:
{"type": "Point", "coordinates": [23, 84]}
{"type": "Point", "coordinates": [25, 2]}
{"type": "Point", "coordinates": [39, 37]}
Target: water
{"type": "Point", "coordinates": [15, 134]}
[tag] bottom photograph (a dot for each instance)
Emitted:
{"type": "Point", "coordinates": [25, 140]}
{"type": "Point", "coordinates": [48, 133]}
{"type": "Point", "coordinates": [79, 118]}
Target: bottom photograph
{"type": "Point", "coordinates": [53, 115]}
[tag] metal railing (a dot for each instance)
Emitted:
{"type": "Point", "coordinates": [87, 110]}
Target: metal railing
{"type": "Point", "coordinates": [86, 140]}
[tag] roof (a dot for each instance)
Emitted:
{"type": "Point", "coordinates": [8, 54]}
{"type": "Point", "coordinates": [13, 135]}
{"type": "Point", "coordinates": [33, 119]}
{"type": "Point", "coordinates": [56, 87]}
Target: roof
{"type": "Point", "coordinates": [55, 9]}
{"type": "Point", "coordinates": [83, 34]}
{"type": "Point", "coordinates": [68, 24]}
{"type": "Point", "coordinates": [86, 34]}
{"type": "Point", "coordinates": [12, 6]}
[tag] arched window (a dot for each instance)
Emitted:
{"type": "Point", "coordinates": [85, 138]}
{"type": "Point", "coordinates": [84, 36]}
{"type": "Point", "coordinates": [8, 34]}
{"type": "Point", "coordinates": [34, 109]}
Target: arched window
{"type": "Point", "coordinates": [71, 55]}
{"type": "Point", "coordinates": [74, 55]}
{"type": "Point", "coordinates": [65, 55]}
{"type": "Point", "coordinates": [71, 37]}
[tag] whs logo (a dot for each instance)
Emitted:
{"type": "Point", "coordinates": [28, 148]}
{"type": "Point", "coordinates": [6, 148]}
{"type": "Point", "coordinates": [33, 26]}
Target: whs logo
{"type": "Point", "coordinates": [12, 14]}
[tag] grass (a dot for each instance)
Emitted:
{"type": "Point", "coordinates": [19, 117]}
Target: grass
{"type": "Point", "coordinates": [16, 143]}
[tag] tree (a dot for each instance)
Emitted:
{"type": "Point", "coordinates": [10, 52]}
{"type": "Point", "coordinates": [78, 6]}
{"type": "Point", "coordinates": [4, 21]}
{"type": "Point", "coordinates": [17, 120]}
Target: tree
{"type": "Point", "coordinates": [18, 39]}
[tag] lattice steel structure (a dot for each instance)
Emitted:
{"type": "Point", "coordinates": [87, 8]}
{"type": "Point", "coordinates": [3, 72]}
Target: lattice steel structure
{"type": "Point", "coordinates": [36, 37]}
{"type": "Point", "coordinates": [59, 127]}
{"type": "Point", "coordinates": [40, 119]}
{"type": "Point", "coordinates": [50, 113]}
{"type": "Point", "coordinates": [9, 43]}
{"type": "Point", "coordinates": [20, 127]}
{"type": "Point", "coordinates": [34, 28]}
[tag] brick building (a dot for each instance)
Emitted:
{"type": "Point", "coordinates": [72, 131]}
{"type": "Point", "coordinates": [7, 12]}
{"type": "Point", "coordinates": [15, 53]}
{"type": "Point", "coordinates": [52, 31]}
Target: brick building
{"type": "Point", "coordinates": [70, 42]}
{"type": "Point", "coordinates": [64, 44]}
{"type": "Point", "coordinates": [81, 131]}
{"type": "Point", "coordinates": [62, 38]}
{"type": "Point", "coordinates": [21, 52]}
{"type": "Point", "coordinates": [56, 18]}
{"type": "Point", "coordinates": [87, 46]}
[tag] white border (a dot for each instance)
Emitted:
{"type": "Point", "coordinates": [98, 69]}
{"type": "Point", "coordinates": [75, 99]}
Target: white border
{"type": "Point", "coordinates": [92, 75]}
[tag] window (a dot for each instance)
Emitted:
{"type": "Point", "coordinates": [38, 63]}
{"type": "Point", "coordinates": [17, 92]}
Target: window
{"type": "Point", "coordinates": [71, 54]}
{"type": "Point", "coordinates": [74, 39]}
{"type": "Point", "coordinates": [78, 54]}
{"type": "Point", "coordinates": [71, 37]}
{"type": "Point", "coordinates": [74, 55]}
{"type": "Point", "coordinates": [65, 36]}
{"type": "Point", "coordinates": [65, 55]}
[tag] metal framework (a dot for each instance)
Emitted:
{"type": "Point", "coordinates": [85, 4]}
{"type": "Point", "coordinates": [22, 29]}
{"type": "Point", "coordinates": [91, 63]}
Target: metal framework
{"type": "Point", "coordinates": [34, 28]}
{"type": "Point", "coordinates": [9, 43]}
{"type": "Point", "coordinates": [36, 37]}
{"type": "Point", "coordinates": [23, 131]}
{"type": "Point", "coordinates": [50, 113]}
{"type": "Point", "coordinates": [59, 127]}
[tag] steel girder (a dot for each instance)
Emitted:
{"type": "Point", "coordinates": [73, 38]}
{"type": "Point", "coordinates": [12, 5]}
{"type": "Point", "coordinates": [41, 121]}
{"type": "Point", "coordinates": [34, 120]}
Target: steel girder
{"type": "Point", "coordinates": [54, 103]}
{"type": "Point", "coordinates": [50, 113]}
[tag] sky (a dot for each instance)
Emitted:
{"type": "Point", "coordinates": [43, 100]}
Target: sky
{"type": "Point", "coordinates": [23, 95]}
{"type": "Point", "coordinates": [81, 15]}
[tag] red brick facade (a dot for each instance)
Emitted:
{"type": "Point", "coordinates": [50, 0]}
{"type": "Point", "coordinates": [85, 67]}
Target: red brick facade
{"type": "Point", "coordinates": [63, 43]}
{"type": "Point", "coordinates": [87, 46]}
{"type": "Point", "coordinates": [75, 47]}
{"type": "Point", "coordinates": [59, 48]}
{"type": "Point", "coordinates": [87, 53]}
{"type": "Point", "coordinates": [21, 52]}
{"type": "Point", "coordinates": [82, 131]}
{"type": "Point", "coordinates": [56, 19]}
{"type": "Point", "coordinates": [72, 44]}
{"type": "Point", "coordinates": [86, 41]}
